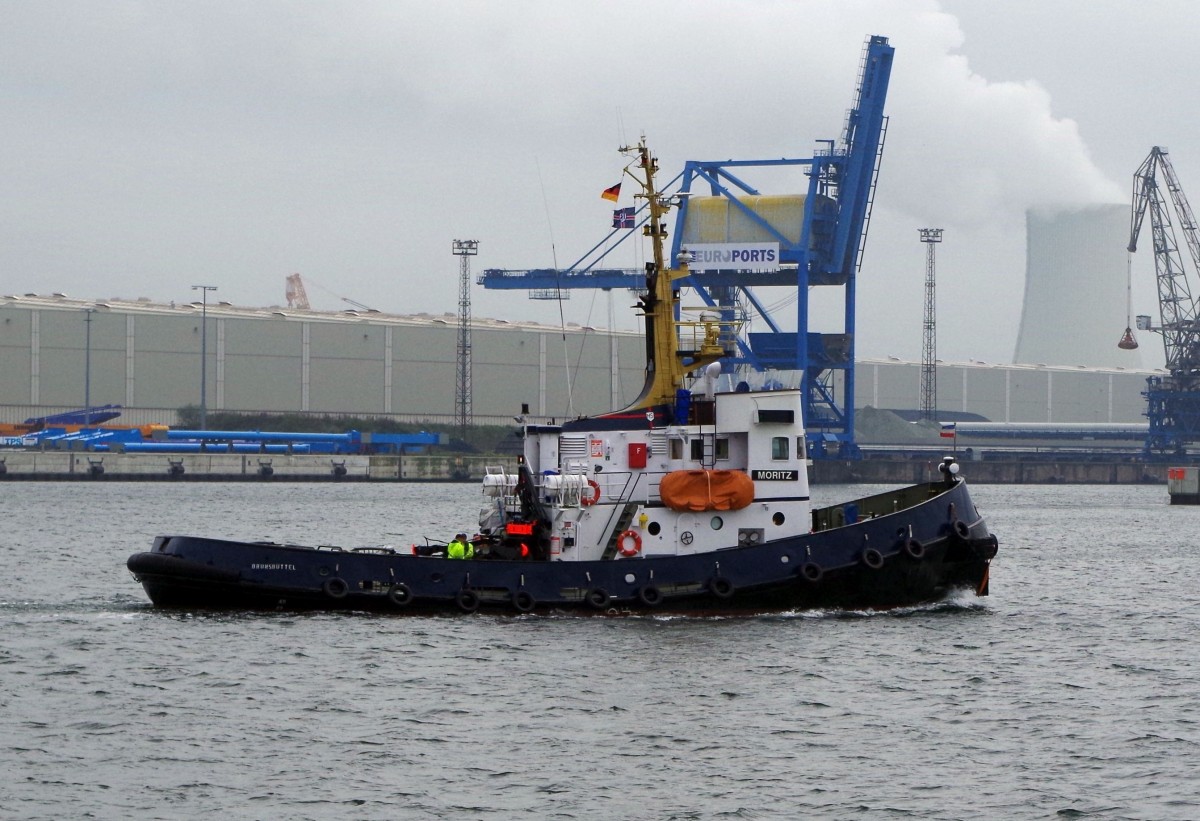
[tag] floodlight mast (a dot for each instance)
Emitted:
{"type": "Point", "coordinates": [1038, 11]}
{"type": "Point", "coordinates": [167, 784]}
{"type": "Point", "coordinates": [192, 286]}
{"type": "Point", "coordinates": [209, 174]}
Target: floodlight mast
{"type": "Point", "coordinates": [464, 249]}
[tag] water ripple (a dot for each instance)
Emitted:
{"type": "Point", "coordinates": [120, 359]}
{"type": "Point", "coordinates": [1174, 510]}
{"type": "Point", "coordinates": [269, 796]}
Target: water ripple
{"type": "Point", "coordinates": [1066, 694]}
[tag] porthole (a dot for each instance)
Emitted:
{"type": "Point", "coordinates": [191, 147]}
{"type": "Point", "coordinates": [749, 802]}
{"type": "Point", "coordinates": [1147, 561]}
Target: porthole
{"type": "Point", "coordinates": [653, 528]}
{"type": "Point", "coordinates": [778, 519]}
{"type": "Point", "coordinates": [717, 523]}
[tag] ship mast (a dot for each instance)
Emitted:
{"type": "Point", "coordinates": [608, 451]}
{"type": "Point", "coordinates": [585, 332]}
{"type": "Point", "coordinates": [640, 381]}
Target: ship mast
{"type": "Point", "coordinates": [666, 366]}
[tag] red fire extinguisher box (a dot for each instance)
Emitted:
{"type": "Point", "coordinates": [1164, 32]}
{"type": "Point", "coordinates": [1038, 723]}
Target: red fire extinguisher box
{"type": "Point", "coordinates": [637, 454]}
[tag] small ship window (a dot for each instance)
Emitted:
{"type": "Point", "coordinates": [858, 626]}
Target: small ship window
{"type": "Point", "coordinates": [697, 450]}
{"type": "Point", "coordinates": [799, 447]}
{"type": "Point", "coordinates": [776, 415]}
{"type": "Point", "coordinates": [721, 449]}
{"type": "Point", "coordinates": [717, 523]}
{"type": "Point", "coordinates": [779, 447]}
{"type": "Point", "coordinates": [676, 449]}
{"type": "Point", "coordinates": [778, 519]}
{"type": "Point", "coordinates": [653, 528]}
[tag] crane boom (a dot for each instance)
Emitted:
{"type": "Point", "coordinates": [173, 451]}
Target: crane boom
{"type": "Point", "coordinates": [1174, 401]}
{"type": "Point", "coordinates": [1176, 305]}
{"type": "Point", "coordinates": [297, 297]}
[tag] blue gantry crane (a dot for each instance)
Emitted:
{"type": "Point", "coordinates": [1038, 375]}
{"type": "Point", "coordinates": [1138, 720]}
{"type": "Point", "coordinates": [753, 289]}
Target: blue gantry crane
{"type": "Point", "coordinates": [818, 238]}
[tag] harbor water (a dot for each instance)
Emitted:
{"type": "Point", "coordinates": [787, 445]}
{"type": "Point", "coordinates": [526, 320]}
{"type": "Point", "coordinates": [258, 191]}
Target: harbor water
{"type": "Point", "coordinates": [1072, 691]}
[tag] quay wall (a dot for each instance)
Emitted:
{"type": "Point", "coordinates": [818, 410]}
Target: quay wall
{"type": "Point", "coordinates": [232, 467]}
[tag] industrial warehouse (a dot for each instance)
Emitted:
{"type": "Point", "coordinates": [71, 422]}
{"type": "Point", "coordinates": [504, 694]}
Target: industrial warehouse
{"type": "Point", "coordinates": [59, 353]}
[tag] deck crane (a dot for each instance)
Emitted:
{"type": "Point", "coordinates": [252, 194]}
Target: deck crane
{"type": "Point", "coordinates": [1173, 401]}
{"type": "Point", "coordinates": [820, 237]}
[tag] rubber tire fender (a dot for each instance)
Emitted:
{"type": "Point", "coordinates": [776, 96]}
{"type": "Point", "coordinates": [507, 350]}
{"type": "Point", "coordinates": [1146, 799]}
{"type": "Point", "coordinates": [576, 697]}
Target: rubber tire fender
{"type": "Point", "coordinates": [400, 594]}
{"type": "Point", "coordinates": [811, 572]}
{"type": "Point", "coordinates": [913, 549]}
{"type": "Point", "coordinates": [598, 598]}
{"type": "Point", "coordinates": [960, 529]}
{"type": "Point", "coordinates": [467, 600]}
{"type": "Point", "coordinates": [650, 595]}
{"type": "Point", "coordinates": [524, 601]}
{"type": "Point", "coordinates": [872, 558]}
{"type": "Point", "coordinates": [335, 587]}
{"type": "Point", "coordinates": [721, 587]}
{"type": "Point", "coordinates": [987, 547]}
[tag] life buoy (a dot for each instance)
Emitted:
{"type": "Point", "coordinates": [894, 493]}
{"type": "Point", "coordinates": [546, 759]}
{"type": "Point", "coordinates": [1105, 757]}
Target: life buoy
{"type": "Point", "coordinates": [336, 588]}
{"type": "Point", "coordinates": [872, 558]}
{"type": "Point", "coordinates": [650, 595]}
{"type": "Point", "coordinates": [721, 587]}
{"type": "Point", "coordinates": [588, 501]}
{"type": "Point", "coordinates": [400, 594]}
{"type": "Point", "coordinates": [467, 600]}
{"type": "Point", "coordinates": [914, 549]}
{"type": "Point", "coordinates": [598, 598]}
{"type": "Point", "coordinates": [524, 601]}
{"type": "Point", "coordinates": [812, 572]}
{"type": "Point", "coordinates": [627, 550]}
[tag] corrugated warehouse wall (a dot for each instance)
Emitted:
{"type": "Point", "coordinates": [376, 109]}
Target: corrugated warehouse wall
{"type": "Point", "coordinates": [146, 357]}
{"type": "Point", "coordinates": [1009, 393]}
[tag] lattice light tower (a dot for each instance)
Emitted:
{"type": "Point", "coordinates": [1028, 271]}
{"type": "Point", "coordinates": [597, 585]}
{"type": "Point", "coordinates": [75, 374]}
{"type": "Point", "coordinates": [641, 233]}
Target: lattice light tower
{"type": "Point", "coordinates": [464, 249]}
{"type": "Point", "coordinates": [931, 237]}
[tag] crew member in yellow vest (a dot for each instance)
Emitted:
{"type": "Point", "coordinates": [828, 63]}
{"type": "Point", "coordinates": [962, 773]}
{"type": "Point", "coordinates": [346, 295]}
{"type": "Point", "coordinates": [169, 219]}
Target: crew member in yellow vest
{"type": "Point", "coordinates": [460, 548]}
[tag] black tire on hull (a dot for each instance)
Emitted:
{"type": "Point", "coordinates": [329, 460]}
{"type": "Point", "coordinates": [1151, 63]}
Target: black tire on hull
{"type": "Point", "coordinates": [722, 588]}
{"type": "Point", "coordinates": [336, 587]}
{"type": "Point", "coordinates": [811, 572]}
{"type": "Point", "coordinates": [872, 558]}
{"type": "Point", "coordinates": [598, 598]}
{"type": "Point", "coordinates": [650, 595]}
{"type": "Point", "coordinates": [913, 549]}
{"type": "Point", "coordinates": [524, 601]}
{"type": "Point", "coordinates": [467, 600]}
{"type": "Point", "coordinates": [400, 594]}
{"type": "Point", "coordinates": [961, 530]}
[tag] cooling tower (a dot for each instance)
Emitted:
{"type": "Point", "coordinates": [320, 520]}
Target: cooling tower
{"type": "Point", "coordinates": [1076, 288]}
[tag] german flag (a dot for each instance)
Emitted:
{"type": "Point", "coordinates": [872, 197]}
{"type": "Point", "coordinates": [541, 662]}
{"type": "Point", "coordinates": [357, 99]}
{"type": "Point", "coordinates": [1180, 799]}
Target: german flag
{"type": "Point", "coordinates": [612, 194]}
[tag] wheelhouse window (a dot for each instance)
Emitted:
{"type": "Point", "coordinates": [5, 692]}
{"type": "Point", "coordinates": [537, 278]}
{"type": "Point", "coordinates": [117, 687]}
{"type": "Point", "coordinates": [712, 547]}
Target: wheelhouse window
{"type": "Point", "coordinates": [720, 448]}
{"type": "Point", "coordinates": [799, 447]}
{"type": "Point", "coordinates": [676, 448]}
{"type": "Point", "coordinates": [779, 447]}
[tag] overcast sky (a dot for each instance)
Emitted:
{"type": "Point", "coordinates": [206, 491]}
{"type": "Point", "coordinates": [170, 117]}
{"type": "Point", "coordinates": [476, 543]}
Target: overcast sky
{"type": "Point", "coordinates": [150, 146]}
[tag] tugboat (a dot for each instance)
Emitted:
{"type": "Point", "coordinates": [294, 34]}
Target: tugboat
{"type": "Point", "coordinates": [689, 500]}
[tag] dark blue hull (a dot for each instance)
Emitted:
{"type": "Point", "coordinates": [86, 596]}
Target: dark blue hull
{"type": "Point", "coordinates": [912, 546]}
